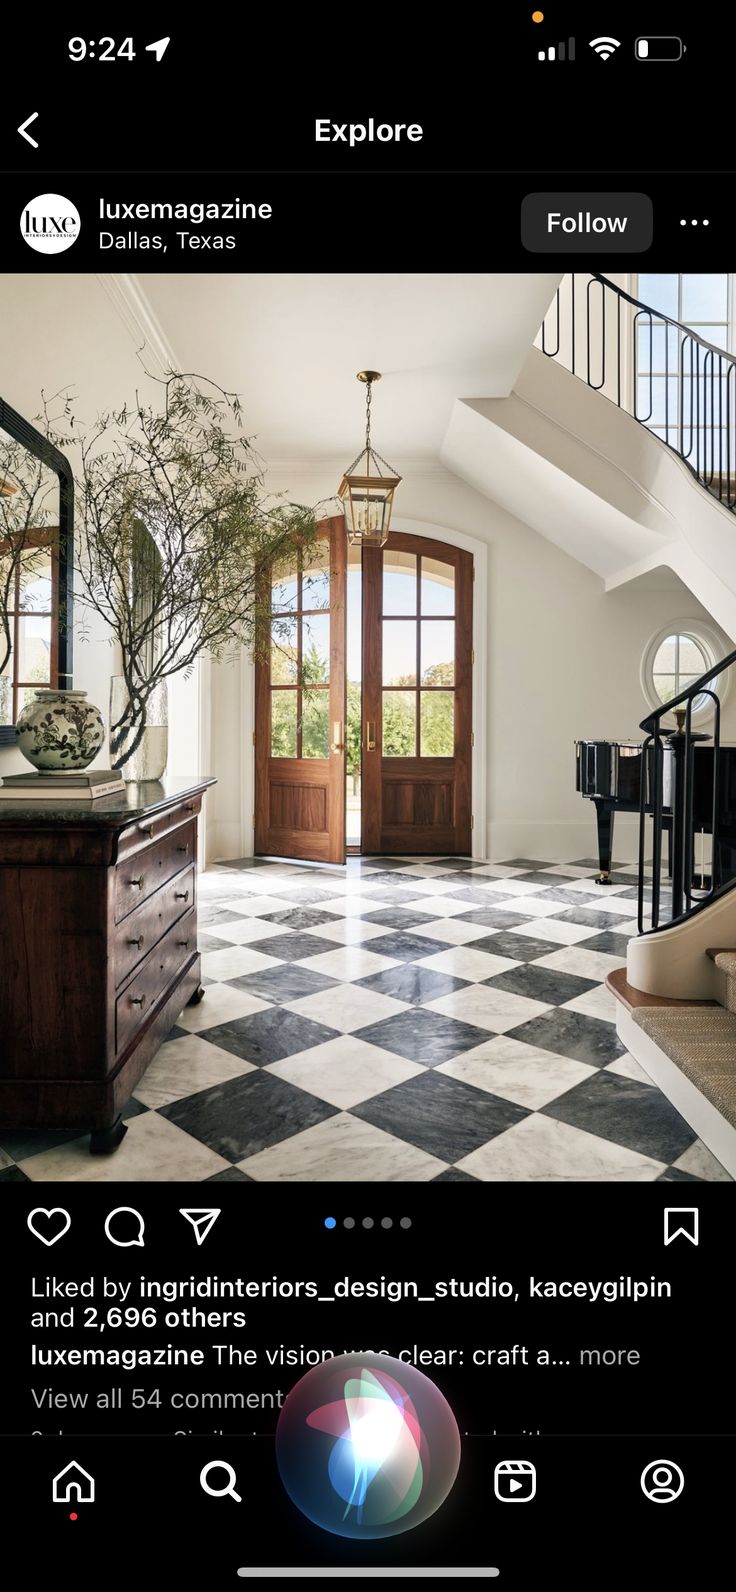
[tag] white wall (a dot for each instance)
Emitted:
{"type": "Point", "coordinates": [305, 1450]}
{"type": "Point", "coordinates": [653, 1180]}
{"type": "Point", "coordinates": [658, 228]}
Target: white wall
{"type": "Point", "coordinates": [563, 662]}
{"type": "Point", "coordinates": [64, 332]}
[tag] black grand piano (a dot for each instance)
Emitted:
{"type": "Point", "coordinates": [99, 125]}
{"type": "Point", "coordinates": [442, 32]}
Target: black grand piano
{"type": "Point", "coordinates": [609, 773]}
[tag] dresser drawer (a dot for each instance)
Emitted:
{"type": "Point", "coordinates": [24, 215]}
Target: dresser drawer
{"type": "Point", "coordinates": [153, 978]}
{"type": "Point", "coordinates": [136, 836]}
{"type": "Point", "coordinates": [139, 876]}
{"type": "Point", "coordinates": [143, 928]}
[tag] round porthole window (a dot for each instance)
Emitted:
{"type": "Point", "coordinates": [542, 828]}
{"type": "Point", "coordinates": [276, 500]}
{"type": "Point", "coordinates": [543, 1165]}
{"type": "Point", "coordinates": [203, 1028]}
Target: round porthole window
{"type": "Point", "coordinates": [676, 657]}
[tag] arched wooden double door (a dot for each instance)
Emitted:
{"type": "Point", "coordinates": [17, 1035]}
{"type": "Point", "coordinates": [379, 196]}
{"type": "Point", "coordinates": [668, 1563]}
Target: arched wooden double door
{"type": "Point", "coordinates": [415, 702]}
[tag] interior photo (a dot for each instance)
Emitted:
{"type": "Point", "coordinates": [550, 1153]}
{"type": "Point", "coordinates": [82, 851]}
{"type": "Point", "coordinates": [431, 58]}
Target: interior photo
{"type": "Point", "coordinates": [367, 732]}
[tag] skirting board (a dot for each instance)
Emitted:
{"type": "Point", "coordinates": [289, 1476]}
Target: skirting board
{"type": "Point", "coordinates": [716, 1133]}
{"type": "Point", "coordinates": [561, 840]}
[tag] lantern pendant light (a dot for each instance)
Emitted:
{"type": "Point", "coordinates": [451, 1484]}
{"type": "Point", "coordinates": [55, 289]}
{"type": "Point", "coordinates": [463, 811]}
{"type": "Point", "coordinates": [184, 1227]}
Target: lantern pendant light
{"type": "Point", "coordinates": [367, 487]}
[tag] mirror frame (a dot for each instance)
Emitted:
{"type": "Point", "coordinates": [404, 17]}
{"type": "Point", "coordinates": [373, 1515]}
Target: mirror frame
{"type": "Point", "coordinates": [39, 446]}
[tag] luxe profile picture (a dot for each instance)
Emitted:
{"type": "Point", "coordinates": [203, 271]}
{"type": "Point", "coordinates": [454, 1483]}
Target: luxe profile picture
{"type": "Point", "coordinates": [50, 223]}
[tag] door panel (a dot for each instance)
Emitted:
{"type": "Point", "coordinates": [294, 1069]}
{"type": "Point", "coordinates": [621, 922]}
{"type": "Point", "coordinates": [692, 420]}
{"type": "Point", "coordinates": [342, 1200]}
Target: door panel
{"type": "Point", "coordinates": [417, 696]}
{"type": "Point", "coordinates": [300, 709]}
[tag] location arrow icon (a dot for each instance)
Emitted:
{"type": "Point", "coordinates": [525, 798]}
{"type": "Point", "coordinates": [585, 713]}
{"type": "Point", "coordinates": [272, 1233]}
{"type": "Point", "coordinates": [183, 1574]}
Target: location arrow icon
{"type": "Point", "coordinates": [202, 1220]}
{"type": "Point", "coordinates": [23, 129]}
{"type": "Point", "coordinates": [158, 47]}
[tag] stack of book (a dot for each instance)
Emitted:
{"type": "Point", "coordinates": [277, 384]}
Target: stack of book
{"type": "Point", "coordinates": [88, 785]}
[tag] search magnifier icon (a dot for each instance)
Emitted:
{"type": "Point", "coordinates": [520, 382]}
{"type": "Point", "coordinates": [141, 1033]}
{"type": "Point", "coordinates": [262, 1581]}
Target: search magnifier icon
{"type": "Point", "coordinates": [220, 1492]}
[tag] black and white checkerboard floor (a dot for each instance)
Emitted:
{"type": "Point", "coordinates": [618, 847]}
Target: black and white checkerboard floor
{"type": "Point", "coordinates": [397, 1020]}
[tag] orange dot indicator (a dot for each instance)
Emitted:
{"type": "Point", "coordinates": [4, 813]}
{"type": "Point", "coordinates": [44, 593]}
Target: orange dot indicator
{"type": "Point", "coordinates": [537, 16]}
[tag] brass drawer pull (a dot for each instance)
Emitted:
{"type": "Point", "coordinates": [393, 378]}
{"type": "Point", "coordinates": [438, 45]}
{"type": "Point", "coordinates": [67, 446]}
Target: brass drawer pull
{"type": "Point", "coordinates": [185, 849]}
{"type": "Point", "coordinates": [181, 895]}
{"type": "Point", "coordinates": [189, 807]}
{"type": "Point", "coordinates": [137, 884]}
{"type": "Point", "coordinates": [137, 943]}
{"type": "Point", "coordinates": [146, 829]}
{"type": "Point", "coordinates": [137, 1000]}
{"type": "Point", "coordinates": [184, 944]}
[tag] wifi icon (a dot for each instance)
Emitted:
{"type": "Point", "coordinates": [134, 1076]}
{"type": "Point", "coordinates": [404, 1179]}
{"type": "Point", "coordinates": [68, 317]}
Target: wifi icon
{"type": "Point", "coordinates": [605, 47]}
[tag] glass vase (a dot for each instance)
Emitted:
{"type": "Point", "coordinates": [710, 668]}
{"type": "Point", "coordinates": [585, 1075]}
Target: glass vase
{"type": "Point", "coordinates": [139, 731]}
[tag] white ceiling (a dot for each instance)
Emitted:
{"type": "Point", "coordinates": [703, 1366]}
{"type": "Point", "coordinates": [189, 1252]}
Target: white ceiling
{"type": "Point", "coordinates": [291, 346]}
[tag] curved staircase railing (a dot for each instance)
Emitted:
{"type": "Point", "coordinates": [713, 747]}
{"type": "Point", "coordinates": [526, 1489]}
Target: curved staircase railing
{"type": "Point", "coordinates": [687, 775]}
{"type": "Point", "coordinates": [688, 398]}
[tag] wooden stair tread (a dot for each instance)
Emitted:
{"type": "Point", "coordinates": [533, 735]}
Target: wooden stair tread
{"type": "Point", "coordinates": [632, 998]}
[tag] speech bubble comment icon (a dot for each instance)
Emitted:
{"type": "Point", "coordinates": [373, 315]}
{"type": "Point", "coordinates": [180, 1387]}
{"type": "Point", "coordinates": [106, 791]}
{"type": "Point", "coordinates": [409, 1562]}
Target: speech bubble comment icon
{"type": "Point", "coordinates": [125, 1227]}
{"type": "Point", "coordinates": [367, 1446]}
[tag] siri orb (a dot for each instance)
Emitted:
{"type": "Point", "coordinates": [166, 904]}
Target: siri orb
{"type": "Point", "coordinates": [367, 1446]}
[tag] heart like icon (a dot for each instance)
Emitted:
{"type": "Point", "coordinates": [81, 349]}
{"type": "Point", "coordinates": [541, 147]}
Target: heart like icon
{"type": "Point", "coordinates": [40, 1219]}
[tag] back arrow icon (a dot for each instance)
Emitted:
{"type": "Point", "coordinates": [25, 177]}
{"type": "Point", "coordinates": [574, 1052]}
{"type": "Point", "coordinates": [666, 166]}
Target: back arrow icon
{"type": "Point", "coordinates": [22, 129]}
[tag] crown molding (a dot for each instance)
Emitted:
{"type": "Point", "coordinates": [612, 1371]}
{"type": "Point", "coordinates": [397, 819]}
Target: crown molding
{"type": "Point", "coordinates": [129, 300]}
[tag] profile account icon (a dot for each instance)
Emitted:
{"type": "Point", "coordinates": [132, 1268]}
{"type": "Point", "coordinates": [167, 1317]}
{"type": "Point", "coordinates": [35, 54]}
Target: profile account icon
{"type": "Point", "coordinates": [662, 1481]}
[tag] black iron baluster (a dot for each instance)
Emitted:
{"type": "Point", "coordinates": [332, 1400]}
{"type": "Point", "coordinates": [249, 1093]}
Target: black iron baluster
{"type": "Point", "coordinates": [643, 791]}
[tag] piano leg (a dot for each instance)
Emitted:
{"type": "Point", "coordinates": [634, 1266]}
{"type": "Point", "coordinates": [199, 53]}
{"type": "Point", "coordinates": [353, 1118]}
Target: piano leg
{"type": "Point", "coordinates": [604, 817]}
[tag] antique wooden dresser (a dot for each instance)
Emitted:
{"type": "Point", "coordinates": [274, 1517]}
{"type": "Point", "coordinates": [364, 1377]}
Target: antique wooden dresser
{"type": "Point", "coordinates": [98, 950]}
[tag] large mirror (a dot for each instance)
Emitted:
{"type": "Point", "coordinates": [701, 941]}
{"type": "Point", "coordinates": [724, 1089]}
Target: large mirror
{"type": "Point", "coordinates": [36, 566]}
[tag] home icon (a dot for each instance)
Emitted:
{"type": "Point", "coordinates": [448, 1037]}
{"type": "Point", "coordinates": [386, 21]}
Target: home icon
{"type": "Point", "coordinates": [73, 1485]}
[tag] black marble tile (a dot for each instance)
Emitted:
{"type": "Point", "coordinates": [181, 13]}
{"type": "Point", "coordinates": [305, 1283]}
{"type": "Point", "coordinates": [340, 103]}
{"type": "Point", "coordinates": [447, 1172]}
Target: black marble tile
{"type": "Point", "coordinates": [397, 897]}
{"type": "Point", "coordinates": [268, 1036]}
{"type": "Point", "coordinates": [674, 1175]}
{"type": "Point", "coordinates": [570, 898]}
{"type": "Point", "coordinates": [232, 1175]}
{"type": "Point", "coordinates": [247, 1114]}
{"type": "Point", "coordinates": [214, 914]}
{"type": "Point", "coordinates": [365, 863]}
{"type": "Point", "coordinates": [13, 1174]}
{"type": "Point", "coordinates": [423, 1036]}
{"type": "Point", "coordinates": [294, 946]}
{"type": "Point", "coordinates": [440, 1115]}
{"type": "Point", "coordinates": [398, 917]}
{"type": "Point", "coordinates": [477, 875]}
{"type": "Point", "coordinates": [454, 1175]}
{"type": "Point", "coordinates": [176, 1033]}
{"type": "Point", "coordinates": [572, 1034]}
{"type": "Point", "coordinates": [411, 983]}
{"type": "Point", "coordinates": [405, 947]}
{"type": "Point", "coordinates": [300, 918]}
{"type": "Point", "coordinates": [307, 895]}
{"type": "Point", "coordinates": [531, 864]}
{"type": "Point", "coordinates": [480, 896]}
{"type": "Point", "coordinates": [541, 984]}
{"type": "Point", "coordinates": [612, 944]}
{"type": "Point", "coordinates": [212, 942]}
{"type": "Point", "coordinates": [486, 942]}
{"type": "Point", "coordinates": [592, 919]}
{"type": "Point", "coordinates": [494, 918]}
{"type": "Point", "coordinates": [625, 1112]}
{"type": "Point", "coordinates": [393, 881]}
{"type": "Point", "coordinates": [282, 984]}
{"type": "Point", "coordinates": [22, 1143]}
{"type": "Point", "coordinates": [458, 863]}
{"type": "Point", "coordinates": [519, 947]}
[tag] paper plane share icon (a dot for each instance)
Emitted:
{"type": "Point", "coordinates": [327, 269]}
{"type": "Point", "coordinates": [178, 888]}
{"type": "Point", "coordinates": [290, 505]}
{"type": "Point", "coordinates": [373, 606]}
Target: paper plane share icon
{"type": "Point", "coordinates": [202, 1221]}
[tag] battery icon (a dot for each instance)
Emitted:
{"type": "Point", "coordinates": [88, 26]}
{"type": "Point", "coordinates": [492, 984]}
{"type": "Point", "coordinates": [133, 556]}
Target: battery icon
{"type": "Point", "coordinates": [665, 47]}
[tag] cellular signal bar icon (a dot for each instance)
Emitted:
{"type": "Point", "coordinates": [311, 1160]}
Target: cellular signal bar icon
{"type": "Point", "coordinates": [558, 52]}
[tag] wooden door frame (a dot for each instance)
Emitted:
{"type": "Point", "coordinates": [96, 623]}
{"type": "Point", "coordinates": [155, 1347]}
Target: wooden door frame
{"type": "Point", "coordinates": [224, 835]}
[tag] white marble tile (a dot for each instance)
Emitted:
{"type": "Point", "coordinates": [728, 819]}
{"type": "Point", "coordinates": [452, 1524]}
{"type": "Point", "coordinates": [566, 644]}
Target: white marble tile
{"type": "Point", "coordinates": [596, 1002]}
{"type": "Point", "coordinates": [461, 961]}
{"type": "Point", "coordinates": [184, 1066]}
{"type": "Point", "coordinates": [518, 887]}
{"type": "Point", "coordinates": [542, 1150]}
{"type": "Point", "coordinates": [153, 1151]}
{"type": "Point", "coordinates": [629, 926]}
{"type": "Point", "coordinates": [536, 907]}
{"type": "Point", "coordinates": [346, 1007]}
{"type": "Point", "coordinates": [235, 960]}
{"type": "Point", "coordinates": [700, 1162]}
{"type": "Point", "coordinates": [451, 930]}
{"type": "Point", "coordinates": [350, 962]}
{"type": "Point", "coordinates": [345, 1071]}
{"type": "Point", "coordinates": [585, 964]}
{"type": "Point", "coordinates": [342, 1150]}
{"type": "Point", "coordinates": [221, 1004]}
{"type": "Point", "coordinates": [250, 931]}
{"type": "Point", "coordinates": [495, 1009]}
{"type": "Point", "coordinates": [626, 1067]}
{"type": "Point", "coordinates": [251, 907]}
{"type": "Point", "coordinates": [553, 929]}
{"type": "Point", "coordinates": [517, 1071]}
